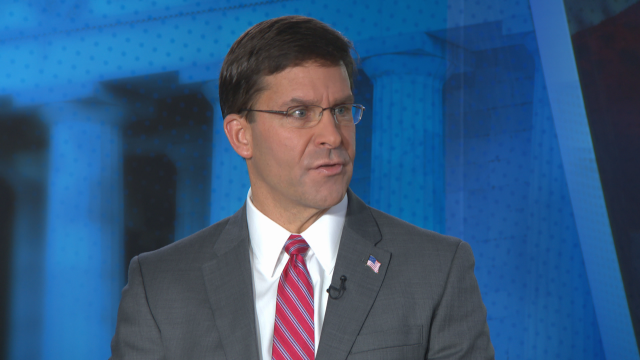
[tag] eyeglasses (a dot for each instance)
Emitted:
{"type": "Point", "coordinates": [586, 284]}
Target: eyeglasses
{"type": "Point", "coordinates": [306, 116]}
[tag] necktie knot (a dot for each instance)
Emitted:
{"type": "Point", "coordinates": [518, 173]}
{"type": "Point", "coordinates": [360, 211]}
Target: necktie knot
{"type": "Point", "coordinates": [296, 245]}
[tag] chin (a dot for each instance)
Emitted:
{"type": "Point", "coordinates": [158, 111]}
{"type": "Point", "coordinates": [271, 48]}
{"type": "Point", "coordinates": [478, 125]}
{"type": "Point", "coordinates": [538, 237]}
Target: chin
{"type": "Point", "coordinates": [328, 199]}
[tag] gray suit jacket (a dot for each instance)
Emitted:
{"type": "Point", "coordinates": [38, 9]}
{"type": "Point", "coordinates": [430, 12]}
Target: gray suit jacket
{"type": "Point", "coordinates": [194, 299]}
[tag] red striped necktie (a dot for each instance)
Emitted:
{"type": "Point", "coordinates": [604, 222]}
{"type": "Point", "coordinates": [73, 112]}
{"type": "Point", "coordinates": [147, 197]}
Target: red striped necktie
{"type": "Point", "coordinates": [293, 331]}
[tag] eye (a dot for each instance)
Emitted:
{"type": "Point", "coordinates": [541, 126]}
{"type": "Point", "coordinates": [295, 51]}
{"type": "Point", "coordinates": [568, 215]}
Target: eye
{"type": "Point", "coordinates": [342, 110]}
{"type": "Point", "coordinates": [298, 112]}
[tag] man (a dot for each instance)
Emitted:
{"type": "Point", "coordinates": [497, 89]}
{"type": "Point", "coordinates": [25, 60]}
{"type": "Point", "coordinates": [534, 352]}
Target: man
{"type": "Point", "coordinates": [304, 269]}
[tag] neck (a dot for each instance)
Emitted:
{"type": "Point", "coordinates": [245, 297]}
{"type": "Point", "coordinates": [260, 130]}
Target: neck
{"type": "Point", "coordinates": [295, 219]}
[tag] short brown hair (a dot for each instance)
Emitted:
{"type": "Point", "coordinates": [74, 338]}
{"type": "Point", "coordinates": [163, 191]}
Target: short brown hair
{"type": "Point", "coordinates": [272, 46]}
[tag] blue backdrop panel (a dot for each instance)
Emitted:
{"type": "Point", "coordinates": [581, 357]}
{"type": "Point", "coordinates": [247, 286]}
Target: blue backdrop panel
{"type": "Point", "coordinates": [460, 135]}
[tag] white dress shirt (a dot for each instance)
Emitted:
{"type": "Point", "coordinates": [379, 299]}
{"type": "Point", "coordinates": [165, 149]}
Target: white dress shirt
{"type": "Point", "coordinates": [268, 260]}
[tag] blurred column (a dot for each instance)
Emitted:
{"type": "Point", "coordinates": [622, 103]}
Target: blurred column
{"type": "Point", "coordinates": [84, 233]}
{"type": "Point", "coordinates": [407, 153]}
{"type": "Point", "coordinates": [229, 177]}
{"type": "Point", "coordinates": [27, 268]}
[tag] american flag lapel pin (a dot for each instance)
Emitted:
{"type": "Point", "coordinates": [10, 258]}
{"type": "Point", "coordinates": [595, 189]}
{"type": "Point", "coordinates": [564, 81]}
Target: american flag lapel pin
{"type": "Point", "coordinates": [373, 264]}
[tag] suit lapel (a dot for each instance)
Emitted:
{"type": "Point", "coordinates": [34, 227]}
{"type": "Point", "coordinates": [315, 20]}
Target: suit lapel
{"type": "Point", "coordinates": [344, 317]}
{"type": "Point", "coordinates": [229, 284]}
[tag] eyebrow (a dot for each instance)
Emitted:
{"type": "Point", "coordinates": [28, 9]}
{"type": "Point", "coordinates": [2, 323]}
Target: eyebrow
{"type": "Point", "coordinates": [298, 101]}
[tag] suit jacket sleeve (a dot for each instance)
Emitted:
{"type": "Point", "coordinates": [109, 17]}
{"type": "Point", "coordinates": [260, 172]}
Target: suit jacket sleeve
{"type": "Point", "coordinates": [459, 327]}
{"type": "Point", "coordinates": [137, 335]}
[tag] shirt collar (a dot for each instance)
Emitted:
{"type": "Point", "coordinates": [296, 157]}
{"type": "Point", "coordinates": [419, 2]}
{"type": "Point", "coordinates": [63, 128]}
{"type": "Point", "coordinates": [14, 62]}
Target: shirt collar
{"type": "Point", "coordinates": [268, 238]}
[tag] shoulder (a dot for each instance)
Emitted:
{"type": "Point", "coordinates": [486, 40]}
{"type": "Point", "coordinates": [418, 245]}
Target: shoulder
{"type": "Point", "coordinates": [419, 250]}
{"type": "Point", "coordinates": [397, 233]}
{"type": "Point", "coordinates": [176, 270]}
{"type": "Point", "coordinates": [192, 251]}
{"type": "Point", "coordinates": [410, 246]}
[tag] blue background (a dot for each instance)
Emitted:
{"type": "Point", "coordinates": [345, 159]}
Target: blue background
{"type": "Point", "coordinates": [475, 126]}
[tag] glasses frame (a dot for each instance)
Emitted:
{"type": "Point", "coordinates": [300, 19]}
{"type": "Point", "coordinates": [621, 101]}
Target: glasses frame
{"type": "Point", "coordinates": [332, 109]}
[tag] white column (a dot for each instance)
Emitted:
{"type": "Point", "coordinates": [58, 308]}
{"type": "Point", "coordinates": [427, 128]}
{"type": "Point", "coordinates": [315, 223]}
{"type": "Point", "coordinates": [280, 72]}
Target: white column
{"type": "Point", "coordinates": [229, 177]}
{"type": "Point", "coordinates": [407, 153]}
{"type": "Point", "coordinates": [84, 270]}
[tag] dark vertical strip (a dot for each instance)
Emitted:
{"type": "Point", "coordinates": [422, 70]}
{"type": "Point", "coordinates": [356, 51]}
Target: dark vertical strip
{"type": "Point", "coordinates": [7, 207]}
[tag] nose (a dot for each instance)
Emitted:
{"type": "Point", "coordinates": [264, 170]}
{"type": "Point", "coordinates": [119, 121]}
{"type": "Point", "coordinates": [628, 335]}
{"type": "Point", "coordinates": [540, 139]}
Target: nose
{"type": "Point", "coordinates": [327, 131]}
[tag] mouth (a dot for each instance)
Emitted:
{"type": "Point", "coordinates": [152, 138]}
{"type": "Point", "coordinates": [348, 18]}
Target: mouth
{"type": "Point", "coordinates": [329, 168]}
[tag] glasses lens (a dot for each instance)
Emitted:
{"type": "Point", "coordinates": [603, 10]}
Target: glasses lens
{"type": "Point", "coordinates": [303, 116]}
{"type": "Point", "coordinates": [356, 112]}
{"type": "Point", "coordinates": [309, 115]}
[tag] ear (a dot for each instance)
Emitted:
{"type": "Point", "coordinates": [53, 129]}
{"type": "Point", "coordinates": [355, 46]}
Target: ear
{"type": "Point", "coordinates": [239, 134]}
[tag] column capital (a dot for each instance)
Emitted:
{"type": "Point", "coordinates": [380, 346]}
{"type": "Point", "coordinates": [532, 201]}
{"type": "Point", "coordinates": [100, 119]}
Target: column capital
{"type": "Point", "coordinates": [405, 64]}
{"type": "Point", "coordinates": [88, 112]}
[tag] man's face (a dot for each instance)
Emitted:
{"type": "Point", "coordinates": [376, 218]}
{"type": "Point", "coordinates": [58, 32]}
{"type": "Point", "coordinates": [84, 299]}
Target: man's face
{"type": "Point", "coordinates": [303, 168]}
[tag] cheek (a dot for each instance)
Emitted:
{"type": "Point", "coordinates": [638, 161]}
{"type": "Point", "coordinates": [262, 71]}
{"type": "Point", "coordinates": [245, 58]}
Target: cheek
{"type": "Point", "coordinates": [285, 150]}
{"type": "Point", "coordinates": [349, 141]}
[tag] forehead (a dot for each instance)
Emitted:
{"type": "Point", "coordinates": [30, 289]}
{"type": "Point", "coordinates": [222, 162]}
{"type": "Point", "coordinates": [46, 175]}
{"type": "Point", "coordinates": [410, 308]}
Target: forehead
{"type": "Point", "coordinates": [311, 82]}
